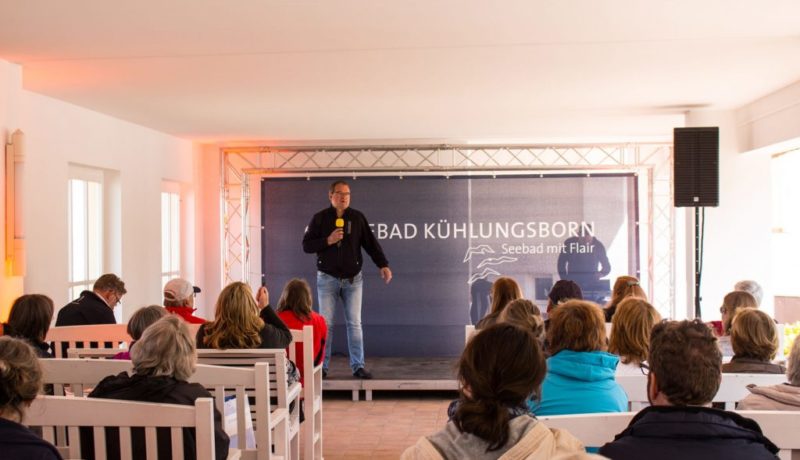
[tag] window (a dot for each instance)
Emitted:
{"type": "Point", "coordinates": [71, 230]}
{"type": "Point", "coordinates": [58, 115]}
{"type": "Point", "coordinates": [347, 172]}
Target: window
{"type": "Point", "coordinates": [785, 223]}
{"type": "Point", "coordinates": [170, 233]}
{"type": "Point", "coordinates": [85, 191]}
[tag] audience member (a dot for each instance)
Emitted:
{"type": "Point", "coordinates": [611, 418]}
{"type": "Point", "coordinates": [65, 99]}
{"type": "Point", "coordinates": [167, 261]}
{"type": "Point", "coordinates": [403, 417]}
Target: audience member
{"type": "Point", "coordinates": [141, 320]}
{"type": "Point", "coordinates": [751, 287]}
{"type": "Point", "coordinates": [163, 359]}
{"type": "Point", "coordinates": [684, 376]}
{"type": "Point", "coordinates": [243, 322]}
{"type": "Point", "coordinates": [755, 343]}
{"type": "Point", "coordinates": [504, 290]}
{"type": "Point", "coordinates": [730, 303]}
{"type": "Point", "coordinates": [561, 292]}
{"type": "Point", "coordinates": [525, 314]}
{"type": "Point", "coordinates": [580, 373]}
{"type": "Point", "coordinates": [95, 306]}
{"type": "Point", "coordinates": [30, 319]}
{"type": "Point", "coordinates": [624, 287]}
{"type": "Point", "coordinates": [777, 397]}
{"type": "Point", "coordinates": [179, 299]}
{"type": "Point", "coordinates": [294, 308]}
{"type": "Point", "coordinates": [500, 368]}
{"type": "Point", "coordinates": [20, 382]}
{"type": "Point", "coordinates": [630, 334]}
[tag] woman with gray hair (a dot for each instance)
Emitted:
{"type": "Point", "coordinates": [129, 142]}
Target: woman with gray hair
{"type": "Point", "coordinates": [777, 397]}
{"type": "Point", "coordinates": [163, 359]}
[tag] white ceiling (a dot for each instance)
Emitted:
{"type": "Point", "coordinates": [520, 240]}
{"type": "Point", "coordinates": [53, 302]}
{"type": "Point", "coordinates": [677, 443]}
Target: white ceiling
{"type": "Point", "coordinates": [216, 70]}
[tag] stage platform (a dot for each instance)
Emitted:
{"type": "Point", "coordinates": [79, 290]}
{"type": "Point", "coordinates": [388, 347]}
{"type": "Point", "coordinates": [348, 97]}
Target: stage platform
{"type": "Point", "coordinates": [393, 374]}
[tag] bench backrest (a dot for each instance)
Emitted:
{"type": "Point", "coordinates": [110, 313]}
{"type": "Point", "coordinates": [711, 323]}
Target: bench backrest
{"type": "Point", "coordinates": [49, 412]}
{"type": "Point", "coordinates": [594, 430]}
{"type": "Point", "coordinates": [104, 335]}
{"type": "Point", "coordinates": [732, 389]}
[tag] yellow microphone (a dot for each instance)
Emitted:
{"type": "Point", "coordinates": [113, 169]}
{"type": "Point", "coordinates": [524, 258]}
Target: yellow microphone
{"type": "Point", "coordinates": [339, 224]}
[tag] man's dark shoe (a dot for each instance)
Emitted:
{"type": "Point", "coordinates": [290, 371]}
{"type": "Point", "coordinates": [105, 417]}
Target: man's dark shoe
{"type": "Point", "coordinates": [324, 373]}
{"type": "Point", "coordinates": [362, 373]}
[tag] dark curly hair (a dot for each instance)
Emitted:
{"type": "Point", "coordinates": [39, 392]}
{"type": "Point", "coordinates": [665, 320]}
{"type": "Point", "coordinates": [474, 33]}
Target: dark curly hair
{"type": "Point", "coordinates": [686, 360]}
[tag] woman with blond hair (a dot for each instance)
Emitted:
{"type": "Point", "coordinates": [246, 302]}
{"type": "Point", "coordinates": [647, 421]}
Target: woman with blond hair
{"type": "Point", "coordinates": [20, 382]}
{"type": "Point", "coordinates": [504, 290]}
{"type": "Point", "coordinates": [242, 322]}
{"type": "Point", "coordinates": [630, 334]}
{"type": "Point", "coordinates": [294, 308]}
{"type": "Point", "coordinates": [755, 343]}
{"type": "Point", "coordinates": [785, 396]}
{"type": "Point", "coordinates": [624, 287]}
{"type": "Point", "coordinates": [580, 373]}
{"type": "Point", "coordinates": [732, 302]}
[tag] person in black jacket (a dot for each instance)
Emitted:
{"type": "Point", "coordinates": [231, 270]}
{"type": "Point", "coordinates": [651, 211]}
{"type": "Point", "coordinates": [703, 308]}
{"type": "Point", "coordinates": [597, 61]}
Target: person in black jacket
{"type": "Point", "coordinates": [163, 359]}
{"type": "Point", "coordinates": [684, 376]}
{"type": "Point", "coordinates": [337, 234]}
{"type": "Point", "coordinates": [95, 306]}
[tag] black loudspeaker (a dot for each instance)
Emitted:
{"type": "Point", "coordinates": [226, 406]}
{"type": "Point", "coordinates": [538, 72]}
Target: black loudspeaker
{"type": "Point", "coordinates": [696, 167]}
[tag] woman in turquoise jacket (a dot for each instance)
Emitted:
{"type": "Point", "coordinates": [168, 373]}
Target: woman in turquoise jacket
{"type": "Point", "coordinates": [580, 374]}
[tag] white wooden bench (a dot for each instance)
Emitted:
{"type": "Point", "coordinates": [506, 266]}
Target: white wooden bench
{"type": "Point", "coordinates": [94, 353]}
{"type": "Point", "coordinates": [83, 374]}
{"type": "Point", "coordinates": [732, 389]}
{"type": "Point", "coordinates": [48, 412]}
{"type": "Point", "coordinates": [105, 335]}
{"type": "Point", "coordinates": [312, 392]}
{"type": "Point", "coordinates": [283, 393]}
{"type": "Point", "coordinates": [594, 430]}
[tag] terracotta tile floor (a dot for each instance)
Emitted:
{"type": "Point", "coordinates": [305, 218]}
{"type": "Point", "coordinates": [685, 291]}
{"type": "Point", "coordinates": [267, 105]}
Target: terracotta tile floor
{"type": "Point", "coordinates": [382, 428]}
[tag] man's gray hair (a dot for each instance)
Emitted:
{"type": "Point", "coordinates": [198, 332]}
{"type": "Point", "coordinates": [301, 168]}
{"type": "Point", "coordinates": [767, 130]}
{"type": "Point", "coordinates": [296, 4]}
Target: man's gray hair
{"type": "Point", "coordinates": [165, 349]}
{"type": "Point", "coordinates": [751, 287]}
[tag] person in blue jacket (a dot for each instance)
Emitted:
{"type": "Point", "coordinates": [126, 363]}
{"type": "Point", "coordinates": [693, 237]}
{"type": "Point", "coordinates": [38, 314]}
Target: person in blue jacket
{"type": "Point", "coordinates": [580, 373]}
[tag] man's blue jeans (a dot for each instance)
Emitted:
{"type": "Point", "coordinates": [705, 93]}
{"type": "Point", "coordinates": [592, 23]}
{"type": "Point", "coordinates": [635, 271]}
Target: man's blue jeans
{"type": "Point", "coordinates": [329, 289]}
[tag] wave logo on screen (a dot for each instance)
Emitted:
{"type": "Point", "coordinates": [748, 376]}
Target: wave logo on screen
{"type": "Point", "coordinates": [482, 275]}
{"type": "Point", "coordinates": [497, 261]}
{"type": "Point", "coordinates": [481, 249]}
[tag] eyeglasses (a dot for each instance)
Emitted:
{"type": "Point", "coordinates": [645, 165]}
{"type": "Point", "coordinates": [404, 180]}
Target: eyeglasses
{"type": "Point", "coordinates": [644, 368]}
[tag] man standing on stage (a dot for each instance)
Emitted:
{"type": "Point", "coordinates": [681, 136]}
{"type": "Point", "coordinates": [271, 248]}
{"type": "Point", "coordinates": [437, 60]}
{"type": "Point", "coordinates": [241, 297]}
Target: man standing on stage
{"type": "Point", "coordinates": [337, 234]}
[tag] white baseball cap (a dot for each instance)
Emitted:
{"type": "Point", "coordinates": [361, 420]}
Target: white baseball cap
{"type": "Point", "coordinates": [178, 289]}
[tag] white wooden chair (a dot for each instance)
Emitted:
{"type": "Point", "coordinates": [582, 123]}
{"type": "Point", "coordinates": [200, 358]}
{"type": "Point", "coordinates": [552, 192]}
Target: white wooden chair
{"type": "Point", "coordinates": [49, 412]}
{"type": "Point", "coordinates": [222, 381]}
{"type": "Point", "coordinates": [469, 331]}
{"type": "Point", "coordinates": [732, 389]}
{"type": "Point", "coordinates": [312, 392]}
{"type": "Point", "coordinates": [278, 384]}
{"type": "Point", "coordinates": [66, 337]}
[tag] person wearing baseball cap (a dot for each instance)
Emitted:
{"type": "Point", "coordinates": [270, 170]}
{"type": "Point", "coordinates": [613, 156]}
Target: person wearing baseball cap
{"type": "Point", "coordinates": [179, 299]}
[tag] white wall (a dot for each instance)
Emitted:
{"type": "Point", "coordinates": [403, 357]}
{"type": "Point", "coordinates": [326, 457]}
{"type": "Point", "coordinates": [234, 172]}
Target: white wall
{"type": "Point", "coordinates": [738, 232]}
{"type": "Point", "coordinates": [771, 122]}
{"type": "Point", "coordinates": [58, 134]}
